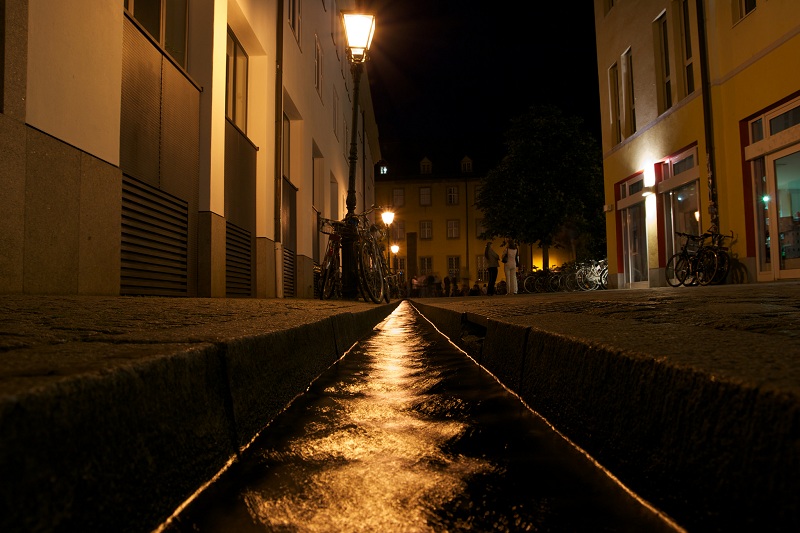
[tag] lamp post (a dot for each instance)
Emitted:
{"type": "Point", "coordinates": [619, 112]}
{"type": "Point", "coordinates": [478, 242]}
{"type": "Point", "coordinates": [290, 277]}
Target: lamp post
{"type": "Point", "coordinates": [388, 217]}
{"type": "Point", "coordinates": [395, 249]}
{"type": "Point", "coordinates": [359, 29]}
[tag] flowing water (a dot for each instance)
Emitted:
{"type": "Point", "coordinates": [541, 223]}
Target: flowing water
{"type": "Point", "coordinates": [406, 433]}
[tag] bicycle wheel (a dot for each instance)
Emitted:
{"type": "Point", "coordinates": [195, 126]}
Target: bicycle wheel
{"type": "Point", "coordinates": [369, 270]}
{"type": "Point", "coordinates": [723, 266]}
{"type": "Point", "coordinates": [529, 285]}
{"type": "Point", "coordinates": [676, 270]}
{"type": "Point", "coordinates": [706, 266]}
{"type": "Point", "coordinates": [330, 273]}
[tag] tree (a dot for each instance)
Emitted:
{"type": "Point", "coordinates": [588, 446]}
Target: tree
{"type": "Point", "coordinates": [549, 183]}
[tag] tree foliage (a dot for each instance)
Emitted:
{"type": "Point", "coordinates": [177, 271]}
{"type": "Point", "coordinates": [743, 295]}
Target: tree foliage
{"type": "Point", "coordinates": [549, 182]}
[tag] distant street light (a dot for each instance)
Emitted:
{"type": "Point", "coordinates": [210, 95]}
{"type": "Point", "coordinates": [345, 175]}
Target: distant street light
{"type": "Point", "coordinates": [359, 28]}
{"type": "Point", "coordinates": [388, 217]}
{"type": "Point", "coordinates": [395, 249]}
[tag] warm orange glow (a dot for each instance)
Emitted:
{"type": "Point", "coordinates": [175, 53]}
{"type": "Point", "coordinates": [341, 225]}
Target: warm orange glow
{"type": "Point", "coordinates": [359, 28]}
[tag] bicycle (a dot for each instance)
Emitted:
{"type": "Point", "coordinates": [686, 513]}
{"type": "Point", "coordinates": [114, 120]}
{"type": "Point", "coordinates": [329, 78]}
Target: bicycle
{"type": "Point", "coordinates": [369, 275]}
{"type": "Point", "coordinates": [694, 264]}
{"type": "Point", "coordinates": [329, 270]}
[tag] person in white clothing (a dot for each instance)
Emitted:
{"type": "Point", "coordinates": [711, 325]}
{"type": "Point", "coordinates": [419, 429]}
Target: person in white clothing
{"type": "Point", "coordinates": [511, 258]}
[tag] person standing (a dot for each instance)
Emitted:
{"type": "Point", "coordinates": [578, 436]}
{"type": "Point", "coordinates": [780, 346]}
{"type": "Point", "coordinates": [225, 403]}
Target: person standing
{"type": "Point", "coordinates": [493, 262]}
{"type": "Point", "coordinates": [510, 258]}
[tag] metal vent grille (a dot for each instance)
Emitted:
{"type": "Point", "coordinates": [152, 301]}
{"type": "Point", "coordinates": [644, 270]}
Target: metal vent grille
{"type": "Point", "coordinates": [155, 229]}
{"type": "Point", "coordinates": [288, 273]}
{"type": "Point", "coordinates": [238, 262]}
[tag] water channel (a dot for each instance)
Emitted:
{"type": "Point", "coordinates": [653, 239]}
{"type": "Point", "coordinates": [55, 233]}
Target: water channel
{"type": "Point", "coordinates": [407, 433]}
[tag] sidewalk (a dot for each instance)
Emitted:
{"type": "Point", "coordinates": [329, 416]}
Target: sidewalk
{"type": "Point", "coordinates": [114, 410]}
{"type": "Point", "coordinates": [691, 396]}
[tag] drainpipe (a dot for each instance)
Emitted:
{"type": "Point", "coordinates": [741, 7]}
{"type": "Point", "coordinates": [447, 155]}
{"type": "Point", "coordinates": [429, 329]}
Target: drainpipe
{"type": "Point", "coordinates": [713, 208]}
{"type": "Point", "coordinates": [278, 119]}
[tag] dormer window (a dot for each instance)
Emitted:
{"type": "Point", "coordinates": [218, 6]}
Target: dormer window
{"type": "Point", "coordinates": [466, 165]}
{"type": "Point", "coordinates": [384, 170]}
{"type": "Point", "coordinates": [425, 166]}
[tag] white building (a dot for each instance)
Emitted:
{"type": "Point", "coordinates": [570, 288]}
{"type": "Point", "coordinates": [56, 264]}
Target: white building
{"type": "Point", "coordinates": [174, 147]}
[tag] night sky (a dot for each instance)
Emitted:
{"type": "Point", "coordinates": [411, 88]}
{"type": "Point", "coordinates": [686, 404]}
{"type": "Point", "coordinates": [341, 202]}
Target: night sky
{"type": "Point", "coordinates": [447, 75]}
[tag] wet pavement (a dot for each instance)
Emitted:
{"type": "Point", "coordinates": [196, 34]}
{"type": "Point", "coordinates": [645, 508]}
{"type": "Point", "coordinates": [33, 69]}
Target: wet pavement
{"type": "Point", "coordinates": [406, 433]}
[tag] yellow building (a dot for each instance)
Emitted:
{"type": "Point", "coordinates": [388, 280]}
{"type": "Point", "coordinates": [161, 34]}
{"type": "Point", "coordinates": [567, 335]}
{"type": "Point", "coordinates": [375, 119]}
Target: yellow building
{"type": "Point", "coordinates": [437, 225]}
{"type": "Point", "coordinates": [700, 107]}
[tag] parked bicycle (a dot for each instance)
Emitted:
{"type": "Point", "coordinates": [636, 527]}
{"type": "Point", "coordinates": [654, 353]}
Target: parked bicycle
{"type": "Point", "coordinates": [367, 252]}
{"type": "Point", "coordinates": [694, 264]}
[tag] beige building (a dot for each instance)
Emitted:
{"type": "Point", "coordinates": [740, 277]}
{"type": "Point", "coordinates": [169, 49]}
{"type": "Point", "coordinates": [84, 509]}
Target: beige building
{"type": "Point", "coordinates": [700, 106]}
{"type": "Point", "coordinates": [437, 225]}
{"type": "Point", "coordinates": [174, 147]}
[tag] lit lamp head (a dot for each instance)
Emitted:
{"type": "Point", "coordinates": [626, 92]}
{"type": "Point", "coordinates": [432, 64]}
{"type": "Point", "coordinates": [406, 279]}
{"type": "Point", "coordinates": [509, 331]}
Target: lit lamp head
{"type": "Point", "coordinates": [395, 249]}
{"type": "Point", "coordinates": [359, 28]}
{"type": "Point", "coordinates": [387, 217]}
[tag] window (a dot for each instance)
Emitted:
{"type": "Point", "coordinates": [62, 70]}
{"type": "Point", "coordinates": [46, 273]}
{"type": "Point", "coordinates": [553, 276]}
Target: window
{"type": "Point", "coordinates": [236, 84]}
{"type": "Point", "coordinates": [662, 62]}
{"type": "Point", "coordinates": [166, 21]}
{"type": "Point", "coordinates": [615, 107]}
{"type": "Point", "coordinates": [742, 8]}
{"type": "Point", "coordinates": [426, 266]}
{"type": "Point", "coordinates": [679, 191]}
{"type": "Point", "coordinates": [784, 121]}
{"type": "Point", "coordinates": [335, 106]}
{"type": "Point", "coordinates": [775, 121]}
{"type": "Point", "coordinates": [482, 268]}
{"type": "Point", "coordinates": [453, 229]}
{"type": "Point", "coordinates": [630, 100]}
{"type": "Point", "coordinates": [425, 166]}
{"type": "Point", "coordinates": [424, 196]}
{"type": "Point", "coordinates": [425, 229]}
{"type": "Point", "coordinates": [454, 266]}
{"type": "Point", "coordinates": [317, 65]}
{"type": "Point", "coordinates": [398, 197]}
{"type": "Point", "coordinates": [452, 195]}
{"type": "Point", "coordinates": [293, 13]}
{"type": "Point", "coordinates": [398, 229]}
{"type": "Point", "coordinates": [688, 61]}
{"type": "Point", "coordinates": [384, 170]}
{"type": "Point", "coordinates": [466, 165]}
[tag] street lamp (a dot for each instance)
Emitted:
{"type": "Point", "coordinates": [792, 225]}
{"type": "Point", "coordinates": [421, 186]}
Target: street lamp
{"type": "Point", "coordinates": [387, 217]}
{"type": "Point", "coordinates": [359, 29]}
{"type": "Point", "coordinates": [395, 249]}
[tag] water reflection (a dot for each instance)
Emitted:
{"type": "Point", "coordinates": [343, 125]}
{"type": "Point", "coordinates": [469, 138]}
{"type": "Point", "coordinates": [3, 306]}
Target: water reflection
{"type": "Point", "coordinates": [407, 434]}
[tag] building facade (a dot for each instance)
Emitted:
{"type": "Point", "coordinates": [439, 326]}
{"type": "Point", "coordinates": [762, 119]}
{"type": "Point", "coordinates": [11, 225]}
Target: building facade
{"type": "Point", "coordinates": [437, 226]}
{"type": "Point", "coordinates": [700, 107]}
{"type": "Point", "coordinates": [177, 148]}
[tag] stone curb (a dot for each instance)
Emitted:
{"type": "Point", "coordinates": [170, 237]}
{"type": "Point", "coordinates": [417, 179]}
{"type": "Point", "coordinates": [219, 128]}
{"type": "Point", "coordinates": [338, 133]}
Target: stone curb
{"type": "Point", "coordinates": [714, 452]}
{"type": "Point", "coordinates": [121, 448]}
